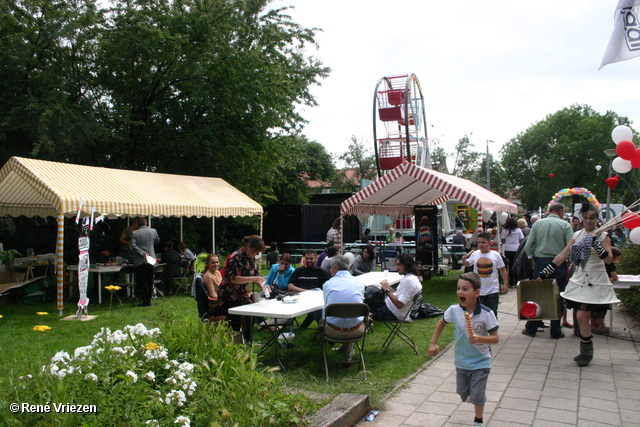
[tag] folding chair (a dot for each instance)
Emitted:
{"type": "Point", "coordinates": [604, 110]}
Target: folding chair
{"type": "Point", "coordinates": [126, 279]}
{"type": "Point", "coordinates": [183, 281]}
{"type": "Point", "coordinates": [395, 328]}
{"type": "Point", "coordinates": [157, 279]}
{"type": "Point", "coordinates": [346, 311]}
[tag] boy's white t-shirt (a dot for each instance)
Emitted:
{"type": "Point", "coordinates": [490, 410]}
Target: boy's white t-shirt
{"type": "Point", "coordinates": [466, 355]}
{"type": "Point", "coordinates": [487, 266]}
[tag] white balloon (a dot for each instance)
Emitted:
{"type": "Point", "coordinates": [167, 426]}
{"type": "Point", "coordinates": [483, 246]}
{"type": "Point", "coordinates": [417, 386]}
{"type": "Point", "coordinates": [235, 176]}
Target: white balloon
{"type": "Point", "coordinates": [598, 168]}
{"type": "Point", "coordinates": [621, 133]}
{"type": "Point", "coordinates": [621, 165]}
{"type": "Point", "coordinates": [634, 235]}
{"type": "Point", "coordinates": [351, 257]}
{"type": "Point", "coordinates": [503, 217]}
{"type": "Point", "coordinates": [486, 215]}
{"type": "Point", "coordinates": [363, 217]}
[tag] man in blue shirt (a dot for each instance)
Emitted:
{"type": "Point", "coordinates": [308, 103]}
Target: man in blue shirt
{"type": "Point", "coordinates": [343, 288]}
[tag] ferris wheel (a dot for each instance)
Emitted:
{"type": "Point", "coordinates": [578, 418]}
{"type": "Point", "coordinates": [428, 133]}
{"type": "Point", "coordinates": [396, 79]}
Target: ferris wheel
{"type": "Point", "coordinates": [399, 123]}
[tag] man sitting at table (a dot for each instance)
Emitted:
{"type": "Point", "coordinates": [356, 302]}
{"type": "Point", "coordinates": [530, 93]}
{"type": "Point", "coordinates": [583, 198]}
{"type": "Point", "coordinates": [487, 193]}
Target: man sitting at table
{"type": "Point", "coordinates": [309, 276]}
{"type": "Point", "coordinates": [459, 238]}
{"type": "Point", "coordinates": [343, 288]}
{"type": "Point", "coordinates": [398, 302]}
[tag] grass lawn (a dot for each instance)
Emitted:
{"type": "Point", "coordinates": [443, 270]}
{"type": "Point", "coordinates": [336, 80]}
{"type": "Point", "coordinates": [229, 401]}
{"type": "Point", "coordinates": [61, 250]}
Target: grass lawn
{"type": "Point", "coordinates": [23, 350]}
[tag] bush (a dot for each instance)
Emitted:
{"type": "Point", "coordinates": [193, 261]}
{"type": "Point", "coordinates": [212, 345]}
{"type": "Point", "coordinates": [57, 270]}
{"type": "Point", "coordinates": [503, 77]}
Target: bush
{"type": "Point", "coordinates": [188, 374]}
{"type": "Point", "coordinates": [630, 264]}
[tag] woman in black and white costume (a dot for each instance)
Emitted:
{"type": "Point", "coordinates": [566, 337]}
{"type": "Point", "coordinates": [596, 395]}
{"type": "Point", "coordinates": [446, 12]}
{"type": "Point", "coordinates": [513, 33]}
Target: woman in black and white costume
{"type": "Point", "coordinates": [589, 288]}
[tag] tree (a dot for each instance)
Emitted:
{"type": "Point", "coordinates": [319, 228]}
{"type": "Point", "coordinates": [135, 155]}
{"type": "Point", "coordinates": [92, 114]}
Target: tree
{"type": "Point", "coordinates": [199, 87]}
{"type": "Point", "coordinates": [466, 162]}
{"type": "Point", "coordinates": [568, 144]}
{"type": "Point", "coordinates": [361, 161]}
{"type": "Point", "coordinates": [299, 161]}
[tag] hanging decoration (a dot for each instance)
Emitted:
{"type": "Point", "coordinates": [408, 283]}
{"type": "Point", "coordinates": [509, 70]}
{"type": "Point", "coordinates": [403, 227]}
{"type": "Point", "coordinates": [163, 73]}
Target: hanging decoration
{"type": "Point", "coordinates": [612, 182]}
{"type": "Point", "coordinates": [628, 155]}
{"type": "Point", "coordinates": [551, 176]}
{"type": "Point", "coordinates": [576, 191]}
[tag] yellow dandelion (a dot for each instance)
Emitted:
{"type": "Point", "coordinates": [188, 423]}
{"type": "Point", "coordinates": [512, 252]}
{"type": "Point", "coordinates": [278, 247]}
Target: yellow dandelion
{"type": "Point", "coordinates": [41, 328]}
{"type": "Point", "coordinates": [1, 316]}
{"type": "Point", "coordinates": [151, 346]}
{"type": "Point", "coordinates": [42, 313]}
{"type": "Point", "coordinates": [112, 288]}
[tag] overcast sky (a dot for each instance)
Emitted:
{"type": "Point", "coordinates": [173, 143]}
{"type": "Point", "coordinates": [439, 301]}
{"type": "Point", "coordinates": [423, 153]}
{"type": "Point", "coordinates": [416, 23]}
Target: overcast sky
{"type": "Point", "coordinates": [491, 68]}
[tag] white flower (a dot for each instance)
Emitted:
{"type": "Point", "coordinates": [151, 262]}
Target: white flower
{"type": "Point", "coordinates": [61, 356]}
{"type": "Point", "coordinates": [183, 421]}
{"type": "Point", "coordinates": [118, 350]}
{"type": "Point", "coordinates": [92, 377]}
{"type": "Point", "coordinates": [150, 376]}
{"type": "Point", "coordinates": [175, 396]}
{"type": "Point", "coordinates": [81, 353]}
{"type": "Point", "coordinates": [132, 375]}
{"type": "Point", "coordinates": [152, 423]}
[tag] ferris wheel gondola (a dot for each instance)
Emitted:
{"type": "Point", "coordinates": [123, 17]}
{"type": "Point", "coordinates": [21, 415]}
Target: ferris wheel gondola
{"type": "Point", "coordinates": [399, 123]}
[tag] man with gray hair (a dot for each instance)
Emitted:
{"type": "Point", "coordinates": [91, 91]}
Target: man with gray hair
{"type": "Point", "coordinates": [547, 238]}
{"type": "Point", "coordinates": [343, 288]}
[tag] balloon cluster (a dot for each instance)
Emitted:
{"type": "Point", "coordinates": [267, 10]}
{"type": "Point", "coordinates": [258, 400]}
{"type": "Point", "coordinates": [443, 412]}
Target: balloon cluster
{"type": "Point", "coordinates": [577, 191]}
{"type": "Point", "coordinates": [631, 220]}
{"type": "Point", "coordinates": [628, 155]}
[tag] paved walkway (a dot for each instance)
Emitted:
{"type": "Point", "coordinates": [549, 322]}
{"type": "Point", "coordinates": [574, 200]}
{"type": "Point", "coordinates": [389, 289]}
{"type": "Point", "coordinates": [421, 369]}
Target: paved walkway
{"type": "Point", "coordinates": [534, 382]}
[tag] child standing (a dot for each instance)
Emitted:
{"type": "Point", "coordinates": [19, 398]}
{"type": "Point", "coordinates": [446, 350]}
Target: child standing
{"type": "Point", "coordinates": [472, 355]}
{"type": "Point", "coordinates": [487, 264]}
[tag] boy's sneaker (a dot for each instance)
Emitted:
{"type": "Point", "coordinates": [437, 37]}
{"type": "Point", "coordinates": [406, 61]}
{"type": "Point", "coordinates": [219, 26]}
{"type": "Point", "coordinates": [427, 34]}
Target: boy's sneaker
{"type": "Point", "coordinates": [477, 424]}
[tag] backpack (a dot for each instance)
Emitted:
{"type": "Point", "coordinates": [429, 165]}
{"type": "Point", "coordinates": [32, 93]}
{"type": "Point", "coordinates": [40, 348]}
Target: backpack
{"type": "Point", "coordinates": [374, 296]}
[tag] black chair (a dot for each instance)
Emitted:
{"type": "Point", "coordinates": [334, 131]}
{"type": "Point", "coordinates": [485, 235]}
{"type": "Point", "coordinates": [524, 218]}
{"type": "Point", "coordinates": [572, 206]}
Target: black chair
{"type": "Point", "coordinates": [126, 279]}
{"type": "Point", "coordinates": [346, 311]}
{"type": "Point", "coordinates": [206, 304]}
{"type": "Point", "coordinates": [158, 270]}
{"type": "Point", "coordinates": [395, 328]}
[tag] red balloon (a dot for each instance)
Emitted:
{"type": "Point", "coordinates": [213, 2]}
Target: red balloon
{"type": "Point", "coordinates": [635, 161]}
{"type": "Point", "coordinates": [631, 220]}
{"type": "Point", "coordinates": [626, 150]}
{"type": "Point", "coordinates": [612, 182]}
{"type": "Point", "coordinates": [551, 175]}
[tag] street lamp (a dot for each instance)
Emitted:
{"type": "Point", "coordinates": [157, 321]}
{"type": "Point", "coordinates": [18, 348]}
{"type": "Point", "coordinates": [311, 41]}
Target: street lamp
{"type": "Point", "coordinates": [611, 153]}
{"type": "Point", "coordinates": [488, 174]}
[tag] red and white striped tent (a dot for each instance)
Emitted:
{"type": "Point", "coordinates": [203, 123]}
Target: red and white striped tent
{"type": "Point", "coordinates": [409, 185]}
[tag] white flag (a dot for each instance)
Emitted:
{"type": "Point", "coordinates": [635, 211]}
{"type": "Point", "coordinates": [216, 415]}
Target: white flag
{"type": "Point", "coordinates": [625, 40]}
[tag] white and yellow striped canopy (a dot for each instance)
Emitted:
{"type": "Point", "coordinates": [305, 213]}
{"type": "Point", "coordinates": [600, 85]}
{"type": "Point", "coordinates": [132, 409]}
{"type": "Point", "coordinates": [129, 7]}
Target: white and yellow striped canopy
{"type": "Point", "coordinates": [41, 188]}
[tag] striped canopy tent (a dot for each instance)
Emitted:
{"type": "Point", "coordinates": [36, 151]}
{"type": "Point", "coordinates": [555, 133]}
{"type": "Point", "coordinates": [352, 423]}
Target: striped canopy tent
{"type": "Point", "coordinates": [41, 188]}
{"type": "Point", "coordinates": [409, 185]}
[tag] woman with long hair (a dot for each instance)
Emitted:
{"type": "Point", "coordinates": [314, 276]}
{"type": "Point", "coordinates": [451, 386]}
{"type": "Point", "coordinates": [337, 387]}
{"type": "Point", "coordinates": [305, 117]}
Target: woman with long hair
{"type": "Point", "coordinates": [240, 271]}
{"type": "Point", "coordinates": [589, 288]}
{"type": "Point", "coordinates": [364, 262]}
{"type": "Point", "coordinates": [511, 238]}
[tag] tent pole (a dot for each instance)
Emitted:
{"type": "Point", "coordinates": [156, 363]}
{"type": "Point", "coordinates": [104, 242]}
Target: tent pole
{"type": "Point", "coordinates": [60, 264]}
{"type": "Point", "coordinates": [213, 234]}
{"type": "Point", "coordinates": [181, 239]}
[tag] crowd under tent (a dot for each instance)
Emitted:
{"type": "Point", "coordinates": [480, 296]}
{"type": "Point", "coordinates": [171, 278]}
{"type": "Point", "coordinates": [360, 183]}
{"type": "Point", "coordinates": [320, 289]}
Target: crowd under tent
{"type": "Point", "coordinates": [408, 185]}
{"type": "Point", "coordinates": [32, 187]}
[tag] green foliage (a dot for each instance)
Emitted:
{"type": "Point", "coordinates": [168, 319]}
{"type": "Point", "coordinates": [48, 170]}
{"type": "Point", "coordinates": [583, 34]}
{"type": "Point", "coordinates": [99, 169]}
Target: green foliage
{"type": "Point", "coordinates": [7, 258]}
{"type": "Point", "coordinates": [630, 264]}
{"type": "Point", "coordinates": [569, 144]}
{"type": "Point", "coordinates": [466, 162]}
{"type": "Point", "coordinates": [298, 162]}
{"type": "Point", "coordinates": [363, 163]}
{"type": "Point", "coordinates": [178, 86]}
{"type": "Point", "coordinates": [189, 373]}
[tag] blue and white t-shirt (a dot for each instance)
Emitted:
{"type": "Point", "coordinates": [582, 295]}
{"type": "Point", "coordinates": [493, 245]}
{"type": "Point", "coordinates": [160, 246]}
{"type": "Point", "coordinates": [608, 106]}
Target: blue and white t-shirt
{"type": "Point", "coordinates": [471, 356]}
